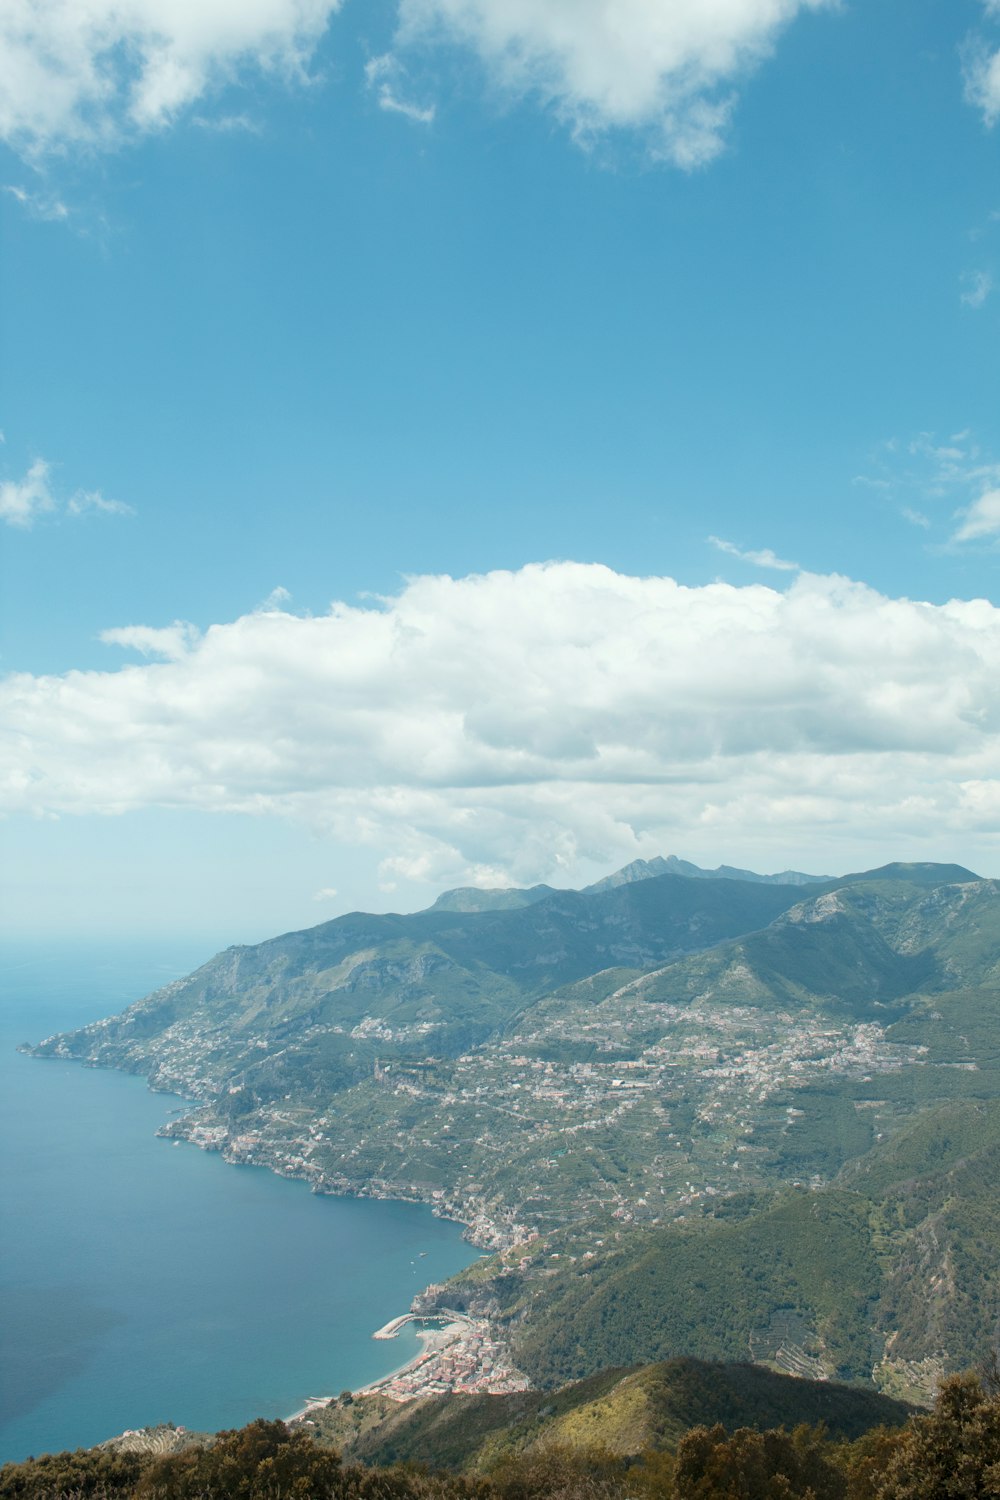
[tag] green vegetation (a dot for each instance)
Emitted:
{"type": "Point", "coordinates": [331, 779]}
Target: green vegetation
{"type": "Point", "coordinates": [952, 1451]}
{"type": "Point", "coordinates": [620, 1413]}
{"type": "Point", "coordinates": [714, 1291]}
{"type": "Point", "coordinates": [696, 1116]}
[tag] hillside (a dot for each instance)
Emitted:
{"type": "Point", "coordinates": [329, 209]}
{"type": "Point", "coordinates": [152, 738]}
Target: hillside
{"type": "Point", "coordinates": [620, 1412]}
{"type": "Point", "coordinates": [703, 1117]}
{"type": "Point", "coordinates": [659, 1432]}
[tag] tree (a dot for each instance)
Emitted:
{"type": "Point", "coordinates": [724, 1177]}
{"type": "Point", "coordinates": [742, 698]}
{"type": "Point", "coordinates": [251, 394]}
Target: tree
{"type": "Point", "coordinates": [953, 1452]}
{"type": "Point", "coordinates": [752, 1465]}
{"type": "Point", "coordinates": [260, 1462]}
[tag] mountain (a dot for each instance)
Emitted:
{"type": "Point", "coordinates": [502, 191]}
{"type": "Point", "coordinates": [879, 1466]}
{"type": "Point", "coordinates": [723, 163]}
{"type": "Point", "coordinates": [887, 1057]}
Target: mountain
{"type": "Point", "coordinates": [646, 869]}
{"type": "Point", "coordinates": [471, 898]}
{"type": "Point", "coordinates": [917, 874]}
{"type": "Point", "coordinates": [621, 1412]}
{"type": "Point", "coordinates": [618, 1434]}
{"type": "Point", "coordinates": [689, 1117]}
{"type": "Point", "coordinates": [338, 995]}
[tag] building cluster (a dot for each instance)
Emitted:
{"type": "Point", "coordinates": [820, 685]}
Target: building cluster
{"type": "Point", "coordinates": [461, 1354]}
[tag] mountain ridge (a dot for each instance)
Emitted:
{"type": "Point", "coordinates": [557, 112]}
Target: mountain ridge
{"type": "Point", "coordinates": [609, 1086]}
{"type": "Point", "coordinates": [476, 898]}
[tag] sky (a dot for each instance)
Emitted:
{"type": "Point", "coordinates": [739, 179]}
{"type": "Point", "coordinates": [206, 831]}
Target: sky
{"type": "Point", "coordinates": [487, 441]}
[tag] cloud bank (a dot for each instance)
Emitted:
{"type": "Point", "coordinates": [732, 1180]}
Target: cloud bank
{"type": "Point", "coordinates": [505, 726]}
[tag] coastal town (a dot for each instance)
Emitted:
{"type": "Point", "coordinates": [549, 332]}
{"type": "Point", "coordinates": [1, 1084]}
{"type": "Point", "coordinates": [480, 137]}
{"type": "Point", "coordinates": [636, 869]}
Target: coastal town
{"type": "Point", "coordinates": [631, 1110]}
{"type": "Point", "coordinates": [459, 1353]}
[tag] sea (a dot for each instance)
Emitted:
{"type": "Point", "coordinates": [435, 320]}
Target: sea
{"type": "Point", "coordinates": [144, 1282]}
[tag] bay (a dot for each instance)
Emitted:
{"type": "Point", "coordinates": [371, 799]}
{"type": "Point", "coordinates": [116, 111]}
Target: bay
{"type": "Point", "coordinates": [143, 1282]}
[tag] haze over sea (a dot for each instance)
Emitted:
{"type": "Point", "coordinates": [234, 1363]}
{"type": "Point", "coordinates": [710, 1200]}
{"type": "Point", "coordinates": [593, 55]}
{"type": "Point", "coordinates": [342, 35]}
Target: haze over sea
{"type": "Point", "coordinates": [143, 1282]}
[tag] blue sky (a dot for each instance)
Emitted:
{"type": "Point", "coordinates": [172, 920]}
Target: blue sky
{"type": "Point", "coordinates": [307, 305]}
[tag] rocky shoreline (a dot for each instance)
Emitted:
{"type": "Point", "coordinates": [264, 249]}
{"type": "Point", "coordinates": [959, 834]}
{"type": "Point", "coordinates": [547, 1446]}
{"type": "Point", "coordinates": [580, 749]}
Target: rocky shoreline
{"type": "Point", "coordinates": [480, 1229]}
{"type": "Point", "coordinates": [465, 1352]}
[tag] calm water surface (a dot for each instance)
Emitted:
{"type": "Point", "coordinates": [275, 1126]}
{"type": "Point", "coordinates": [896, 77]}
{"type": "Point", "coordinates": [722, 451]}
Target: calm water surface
{"type": "Point", "coordinates": [143, 1282]}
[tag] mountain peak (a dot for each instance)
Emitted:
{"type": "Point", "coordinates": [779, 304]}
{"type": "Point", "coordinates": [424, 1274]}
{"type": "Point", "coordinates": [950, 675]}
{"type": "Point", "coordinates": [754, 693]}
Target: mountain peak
{"type": "Point", "coordinates": [648, 869]}
{"type": "Point", "coordinates": [506, 898]}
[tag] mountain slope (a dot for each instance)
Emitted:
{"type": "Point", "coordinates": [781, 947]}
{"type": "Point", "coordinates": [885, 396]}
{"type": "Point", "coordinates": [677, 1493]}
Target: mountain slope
{"type": "Point", "coordinates": [439, 981]}
{"type": "Point", "coordinates": [693, 1116]}
{"type": "Point", "coordinates": [621, 1412]}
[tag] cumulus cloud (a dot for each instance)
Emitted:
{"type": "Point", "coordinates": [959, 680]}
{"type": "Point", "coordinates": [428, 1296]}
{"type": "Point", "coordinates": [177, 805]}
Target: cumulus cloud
{"type": "Point", "coordinates": [22, 501]}
{"type": "Point", "coordinates": [89, 70]}
{"type": "Point", "coordinates": [668, 70]}
{"type": "Point", "coordinates": [763, 558]}
{"type": "Point", "coordinates": [517, 722]}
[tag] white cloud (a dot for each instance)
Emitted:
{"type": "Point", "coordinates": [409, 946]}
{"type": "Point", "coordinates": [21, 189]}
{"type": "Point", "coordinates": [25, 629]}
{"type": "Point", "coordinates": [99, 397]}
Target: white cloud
{"type": "Point", "coordinates": [976, 287]}
{"type": "Point", "coordinates": [666, 69]}
{"type": "Point", "coordinates": [982, 518]}
{"type": "Point", "coordinates": [516, 723]}
{"type": "Point", "coordinates": [383, 74]}
{"type": "Point", "coordinates": [764, 558]}
{"type": "Point", "coordinates": [276, 598]}
{"type": "Point", "coordinates": [982, 75]}
{"type": "Point", "coordinates": [23, 500]}
{"type": "Point", "coordinates": [90, 70]}
{"type": "Point", "coordinates": [328, 893]}
{"type": "Point", "coordinates": [86, 502]}
{"type": "Point", "coordinates": [170, 641]}
{"type": "Point", "coordinates": [38, 205]}
{"type": "Point", "coordinates": [929, 469]}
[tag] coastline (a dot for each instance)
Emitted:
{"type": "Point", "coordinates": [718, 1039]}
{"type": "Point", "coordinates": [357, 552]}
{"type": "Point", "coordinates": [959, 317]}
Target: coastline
{"type": "Point", "coordinates": [456, 1351]}
{"type": "Point", "coordinates": [314, 1402]}
{"type": "Point", "coordinates": [464, 1353]}
{"type": "Point", "coordinates": [460, 1354]}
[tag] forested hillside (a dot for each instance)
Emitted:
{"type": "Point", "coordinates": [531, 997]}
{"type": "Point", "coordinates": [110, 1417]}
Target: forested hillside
{"type": "Point", "coordinates": [690, 1114]}
{"type": "Point", "coordinates": [954, 1450]}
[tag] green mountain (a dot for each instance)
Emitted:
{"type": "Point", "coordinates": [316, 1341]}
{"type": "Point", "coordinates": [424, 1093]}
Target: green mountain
{"type": "Point", "coordinates": [471, 898]}
{"type": "Point", "coordinates": [336, 996]}
{"type": "Point", "coordinates": [622, 1412]}
{"type": "Point", "coordinates": [704, 1117]}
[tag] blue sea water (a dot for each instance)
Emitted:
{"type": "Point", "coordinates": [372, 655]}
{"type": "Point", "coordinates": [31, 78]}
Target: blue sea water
{"type": "Point", "coordinates": [143, 1282]}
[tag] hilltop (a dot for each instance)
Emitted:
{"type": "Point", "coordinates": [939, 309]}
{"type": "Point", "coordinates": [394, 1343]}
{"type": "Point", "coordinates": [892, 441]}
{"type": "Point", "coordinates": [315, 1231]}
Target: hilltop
{"type": "Point", "coordinates": [619, 1412]}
